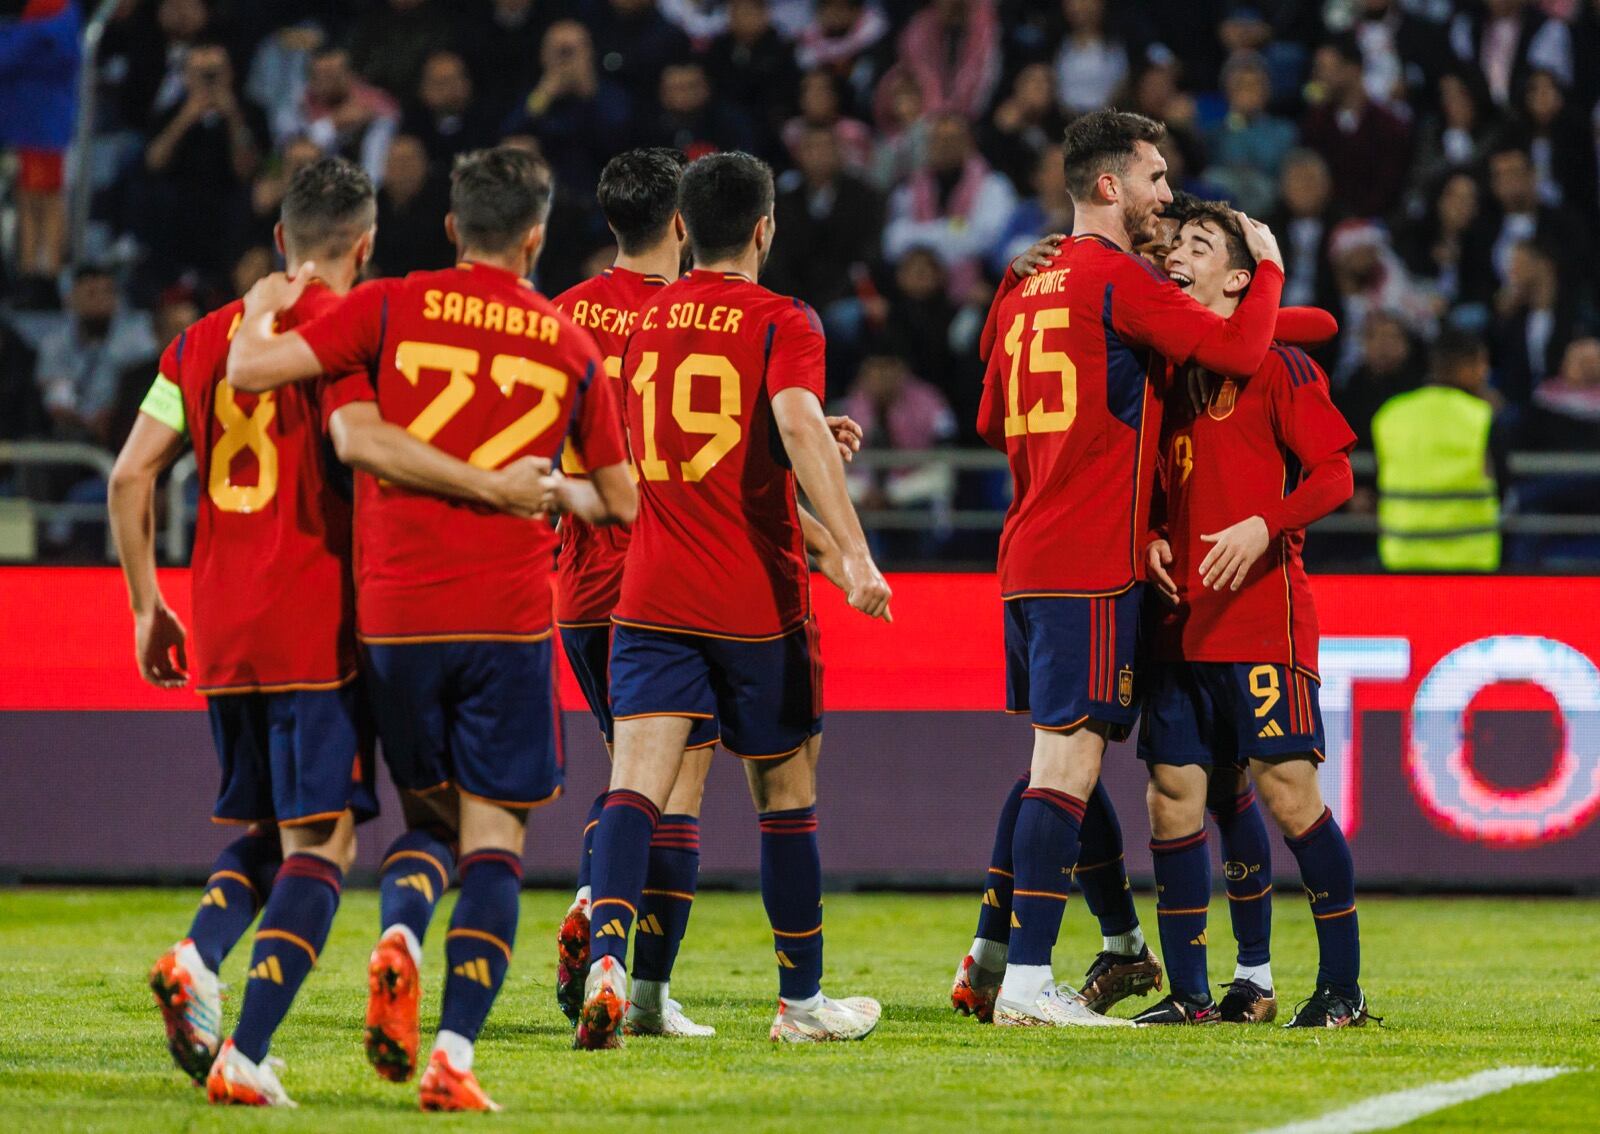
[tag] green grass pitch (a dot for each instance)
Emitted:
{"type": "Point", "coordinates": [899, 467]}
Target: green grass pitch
{"type": "Point", "coordinates": [1465, 983]}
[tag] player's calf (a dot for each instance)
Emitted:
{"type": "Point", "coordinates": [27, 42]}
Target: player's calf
{"type": "Point", "coordinates": [415, 874]}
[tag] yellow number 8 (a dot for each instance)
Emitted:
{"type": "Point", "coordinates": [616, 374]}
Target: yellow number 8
{"type": "Point", "coordinates": [240, 432]}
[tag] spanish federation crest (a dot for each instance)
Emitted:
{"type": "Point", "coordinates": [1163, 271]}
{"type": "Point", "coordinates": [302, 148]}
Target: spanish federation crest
{"type": "Point", "coordinates": [1125, 687]}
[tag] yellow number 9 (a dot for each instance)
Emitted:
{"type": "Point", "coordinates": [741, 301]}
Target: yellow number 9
{"type": "Point", "coordinates": [1264, 687]}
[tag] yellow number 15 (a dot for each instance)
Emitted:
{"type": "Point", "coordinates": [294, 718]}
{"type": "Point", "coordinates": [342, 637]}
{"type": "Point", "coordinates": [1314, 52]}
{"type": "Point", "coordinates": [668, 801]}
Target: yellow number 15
{"type": "Point", "coordinates": [1037, 419]}
{"type": "Point", "coordinates": [721, 428]}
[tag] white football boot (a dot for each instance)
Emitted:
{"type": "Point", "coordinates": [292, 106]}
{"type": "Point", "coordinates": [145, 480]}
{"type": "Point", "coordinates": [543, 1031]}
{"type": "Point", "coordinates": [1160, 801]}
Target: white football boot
{"type": "Point", "coordinates": [827, 1020]}
{"type": "Point", "coordinates": [1057, 1007]}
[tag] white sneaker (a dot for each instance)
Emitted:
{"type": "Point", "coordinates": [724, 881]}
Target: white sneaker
{"type": "Point", "coordinates": [190, 998]}
{"type": "Point", "coordinates": [668, 1021]}
{"type": "Point", "coordinates": [1057, 1007]}
{"type": "Point", "coordinates": [235, 1081]}
{"type": "Point", "coordinates": [852, 1018]}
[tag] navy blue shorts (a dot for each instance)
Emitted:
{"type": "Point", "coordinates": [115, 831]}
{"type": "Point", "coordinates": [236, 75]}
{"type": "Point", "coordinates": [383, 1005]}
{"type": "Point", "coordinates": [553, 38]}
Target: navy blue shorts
{"type": "Point", "coordinates": [1070, 661]}
{"type": "Point", "coordinates": [479, 715]}
{"type": "Point", "coordinates": [767, 695]}
{"type": "Point", "coordinates": [1226, 713]}
{"type": "Point", "coordinates": [588, 651]}
{"type": "Point", "coordinates": [295, 757]}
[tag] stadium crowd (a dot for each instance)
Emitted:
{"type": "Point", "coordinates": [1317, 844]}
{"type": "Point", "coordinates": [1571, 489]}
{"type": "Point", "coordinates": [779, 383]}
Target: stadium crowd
{"type": "Point", "coordinates": [1427, 164]}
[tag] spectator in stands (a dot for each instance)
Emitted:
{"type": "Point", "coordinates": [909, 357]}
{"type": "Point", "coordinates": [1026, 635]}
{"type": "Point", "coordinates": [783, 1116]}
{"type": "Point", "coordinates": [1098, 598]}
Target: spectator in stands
{"type": "Point", "coordinates": [899, 411]}
{"type": "Point", "coordinates": [254, 263]}
{"type": "Point", "coordinates": [579, 117]}
{"type": "Point", "coordinates": [150, 59]}
{"type": "Point", "coordinates": [1446, 248]}
{"type": "Point", "coordinates": [636, 43]}
{"type": "Point", "coordinates": [446, 118]}
{"type": "Point", "coordinates": [688, 119]}
{"type": "Point", "coordinates": [956, 205]}
{"type": "Point", "coordinates": [80, 363]}
{"type": "Point", "coordinates": [1090, 65]}
{"type": "Point", "coordinates": [1370, 277]}
{"type": "Point", "coordinates": [501, 39]}
{"type": "Point", "coordinates": [1560, 145]}
{"type": "Point", "coordinates": [1462, 130]}
{"type": "Point", "coordinates": [902, 147]}
{"type": "Point", "coordinates": [278, 71]}
{"type": "Point", "coordinates": [1566, 405]}
{"type": "Point", "coordinates": [1514, 185]}
{"type": "Point", "coordinates": [202, 155]}
{"type": "Point", "coordinates": [849, 39]}
{"type": "Point", "coordinates": [1534, 322]}
{"type": "Point", "coordinates": [753, 68]}
{"type": "Point", "coordinates": [1304, 221]}
{"type": "Point", "coordinates": [266, 194]}
{"type": "Point", "coordinates": [1399, 50]}
{"type": "Point", "coordinates": [952, 49]}
{"type": "Point", "coordinates": [1506, 39]}
{"type": "Point", "coordinates": [1390, 364]}
{"type": "Point", "coordinates": [1248, 145]}
{"type": "Point", "coordinates": [1366, 146]}
{"type": "Point", "coordinates": [346, 115]}
{"type": "Point", "coordinates": [175, 311]}
{"type": "Point", "coordinates": [390, 41]}
{"type": "Point", "coordinates": [1048, 210]}
{"type": "Point", "coordinates": [831, 222]}
{"type": "Point", "coordinates": [1023, 125]}
{"type": "Point", "coordinates": [915, 311]}
{"type": "Point", "coordinates": [822, 104]}
{"type": "Point", "coordinates": [411, 208]}
{"type": "Point", "coordinates": [1156, 91]}
{"type": "Point", "coordinates": [701, 20]}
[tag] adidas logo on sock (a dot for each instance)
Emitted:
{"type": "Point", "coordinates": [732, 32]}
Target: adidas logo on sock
{"type": "Point", "coordinates": [268, 969]}
{"type": "Point", "coordinates": [990, 898]}
{"type": "Point", "coordinates": [421, 883]}
{"type": "Point", "coordinates": [215, 897]}
{"type": "Point", "coordinates": [649, 923]}
{"type": "Point", "coordinates": [1270, 730]}
{"type": "Point", "coordinates": [1015, 924]}
{"type": "Point", "coordinates": [783, 960]}
{"type": "Point", "coordinates": [1201, 940]}
{"type": "Point", "coordinates": [612, 928]}
{"type": "Point", "coordinates": [476, 969]}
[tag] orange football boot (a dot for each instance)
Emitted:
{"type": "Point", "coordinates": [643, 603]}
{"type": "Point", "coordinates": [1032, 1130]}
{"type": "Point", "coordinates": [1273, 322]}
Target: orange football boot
{"type": "Point", "coordinates": [445, 1088]}
{"type": "Point", "coordinates": [394, 1000]}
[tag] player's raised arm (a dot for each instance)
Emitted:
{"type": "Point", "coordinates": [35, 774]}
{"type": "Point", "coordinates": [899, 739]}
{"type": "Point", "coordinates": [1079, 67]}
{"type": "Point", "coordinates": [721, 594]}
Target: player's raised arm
{"type": "Point", "coordinates": [154, 443]}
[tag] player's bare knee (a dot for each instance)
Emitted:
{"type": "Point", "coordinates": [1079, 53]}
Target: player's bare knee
{"type": "Point", "coordinates": [436, 811]}
{"type": "Point", "coordinates": [648, 754]}
{"type": "Point", "coordinates": [492, 826]}
{"type": "Point", "coordinates": [1067, 761]}
{"type": "Point", "coordinates": [690, 785]}
{"type": "Point", "coordinates": [1289, 790]}
{"type": "Point", "coordinates": [333, 840]}
{"type": "Point", "coordinates": [1176, 798]}
{"type": "Point", "coordinates": [782, 785]}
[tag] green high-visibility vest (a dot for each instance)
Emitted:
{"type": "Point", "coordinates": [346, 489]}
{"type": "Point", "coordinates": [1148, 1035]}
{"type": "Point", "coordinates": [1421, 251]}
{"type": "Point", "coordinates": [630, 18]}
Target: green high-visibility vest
{"type": "Point", "coordinates": [1437, 505]}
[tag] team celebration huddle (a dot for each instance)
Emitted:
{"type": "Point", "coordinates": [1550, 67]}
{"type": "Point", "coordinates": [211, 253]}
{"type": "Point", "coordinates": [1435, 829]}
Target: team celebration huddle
{"type": "Point", "coordinates": [622, 466]}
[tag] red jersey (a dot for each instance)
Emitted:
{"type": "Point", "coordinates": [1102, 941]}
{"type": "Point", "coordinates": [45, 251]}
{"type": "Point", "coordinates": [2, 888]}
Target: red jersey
{"type": "Point", "coordinates": [717, 547]}
{"type": "Point", "coordinates": [1274, 446]}
{"type": "Point", "coordinates": [274, 607]}
{"type": "Point", "coordinates": [1068, 396]}
{"type": "Point", "coordinates": [474, 361]}
{"type": "Point", "coordinates": [590, 563]}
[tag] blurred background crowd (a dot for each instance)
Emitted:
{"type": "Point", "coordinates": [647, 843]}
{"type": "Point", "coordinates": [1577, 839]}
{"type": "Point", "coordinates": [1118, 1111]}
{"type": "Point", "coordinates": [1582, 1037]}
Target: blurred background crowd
{"type": "Point", "coordinates": [1430, 166]}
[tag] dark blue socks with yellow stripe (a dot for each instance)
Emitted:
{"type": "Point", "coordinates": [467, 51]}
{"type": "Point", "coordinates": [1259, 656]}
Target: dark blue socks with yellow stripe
{"type": "Point", "coordinates": [241, 879]}
{"type": "Point", "coordinates": [1101, 873]}
{"type": "Point", "coordinates": [1329, 874]}
{"type": "Point", "coordinates": [590, 824]}
{"type": "Point", "coordinates": [1247, 871]}
{"type": "Point", "coordinates": [415, 874]}
{"type": "Point", "coordinates": [994, 915]}
{"type": "Point", "coordinates": [1044, 849]}
{"type": "Point", "coordinates": [667, 897]}
{"type": "Point", "coordinates": [293, 929]}
{"type": "Point", "coordinates": [791, 889]}
{"type": "Point", "coordinates": [477, 949]}
{"type": "Point", "coordinates": [1183, 892]}
{"type": "Point", "coordinates": [617, 871]}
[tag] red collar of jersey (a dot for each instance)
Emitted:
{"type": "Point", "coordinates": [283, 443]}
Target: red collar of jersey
{"type": "Point", "coordinates": [648, 277]}
{"type": "Point", "coordinates": [727, 277]}
{"type": "Point", "coordinates": [1106, 240]}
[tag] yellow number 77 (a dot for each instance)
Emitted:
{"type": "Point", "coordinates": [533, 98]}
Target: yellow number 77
{"type": "Point", "coordinates": [506, 371]}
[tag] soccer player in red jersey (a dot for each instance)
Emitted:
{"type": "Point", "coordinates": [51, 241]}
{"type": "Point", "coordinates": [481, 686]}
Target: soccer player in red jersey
{"type": "Point", "coordinates": [455, 603]}
{"type": "Point", "coordinates": [638, 194]}
{"type": "Point", "coordinates": [286, 713]}
{"type": "Point", "coordinates": [1068, 395]}
{"type": "Point", "coordinates": [1246, 466]}
{"type": "Point", "coordinates": [724, 384]}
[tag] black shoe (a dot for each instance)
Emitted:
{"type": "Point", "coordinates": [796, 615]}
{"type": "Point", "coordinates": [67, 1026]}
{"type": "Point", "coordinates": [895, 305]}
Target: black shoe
{"type": "Point", "coordinates": [1248, 1003]}
{"type": "Point", "coordinates": [1328, 1009]}
{"type": "Point", "coordinates": [1175, 1010]}
{"type": "Point", "coordinates": [1114, 977]}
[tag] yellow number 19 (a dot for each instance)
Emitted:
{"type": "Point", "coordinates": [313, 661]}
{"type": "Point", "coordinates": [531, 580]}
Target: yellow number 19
{"type": "Point", "coordinates": [722, 427]}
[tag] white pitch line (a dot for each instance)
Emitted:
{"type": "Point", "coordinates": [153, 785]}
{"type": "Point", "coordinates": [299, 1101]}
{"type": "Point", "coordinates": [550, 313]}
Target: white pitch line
{"type": "Point", "coordinates": [1385, 1112]}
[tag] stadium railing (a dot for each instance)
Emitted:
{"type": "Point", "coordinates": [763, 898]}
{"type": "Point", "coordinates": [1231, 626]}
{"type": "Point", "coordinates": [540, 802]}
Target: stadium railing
{"type": "Point", "coordinates": [64, 454]}
{"type": "Point", "coordinates": [79, 187]}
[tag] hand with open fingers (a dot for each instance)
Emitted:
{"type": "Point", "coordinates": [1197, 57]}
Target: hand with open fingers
{"type": "Point", "coordinates": [866, 587]}
{"type": "Point", "coordinates": [276, 291]}
{"type": "Point", "coordinates": [527, 489]}
{"type": "Point", "coordinates": [847, 434]}
{"type": "Point", "coordinates": [1157, 558]}
{"type": "Point", "coordinates": [159, 641]}
{"type": "Point", "coordinates": [1038, 254]}
{"type": "Point", "coordinates": [1259, 240]}
{"type": "Point", "coordinates": [1235, 550]}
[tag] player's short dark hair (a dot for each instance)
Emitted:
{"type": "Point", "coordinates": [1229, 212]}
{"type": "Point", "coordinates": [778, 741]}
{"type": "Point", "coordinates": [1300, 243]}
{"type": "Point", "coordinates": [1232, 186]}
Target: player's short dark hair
{"type": "Point", "coordinates": [639, 194]}
{"type": "Point", "coordinates": [497, 195]}
{"type": "Point", "coordinates": [1221, 215]}
{"type": "Point", "coordinates": [330, 203]}
{"type": "Point", "coordinates": [1102, 141]}
{"type": "Point", "coordinates": [721, 198]}
{"type": "Point", "coordinates": [1453, 349]}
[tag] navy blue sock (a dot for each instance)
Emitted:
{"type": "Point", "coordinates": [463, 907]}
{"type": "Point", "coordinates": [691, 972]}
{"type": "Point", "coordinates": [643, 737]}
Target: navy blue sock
{"type": "Point", "coordinates": [1329, 874]}
{"type": "Point", "coordinates": [994, 915]}
{"type": "Point", "coordinates": [415, 874]}
{"type": "Point", "coordinates": [791, 889]}
{"type": "Point", "coordinates": [590, 825]}
{"type": "Point", "coordinates": [668, 896]}
{"type": "Point", "coordinates": [241, 880]}
{"type": "Point", "coordinates": [483, 928]}
{"type": "Point", "coordinates": [1183, 893]}
{"type": "Point", "coordinates": [294, 927]}
{"type": "Point", "coordinates": [1247, 870]}
{"type": "Point", "coordinates": [1043, 849]}
{"type": "Point", "coordinates": [617, 871]}
{"type": "Point", "coordinates": [1100, 872]}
